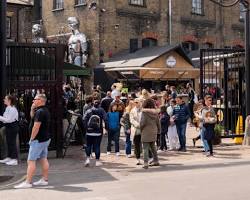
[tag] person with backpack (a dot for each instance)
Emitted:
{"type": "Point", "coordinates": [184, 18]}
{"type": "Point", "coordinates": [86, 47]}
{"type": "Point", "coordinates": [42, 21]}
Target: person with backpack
{"type": "Point", "coordinates": [113, 118]}
{"type": "Point", "coordinates": [93, 122]}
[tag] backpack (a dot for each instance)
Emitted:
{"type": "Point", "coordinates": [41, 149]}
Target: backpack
{"type": "Point", "coordinates": [94, 124]}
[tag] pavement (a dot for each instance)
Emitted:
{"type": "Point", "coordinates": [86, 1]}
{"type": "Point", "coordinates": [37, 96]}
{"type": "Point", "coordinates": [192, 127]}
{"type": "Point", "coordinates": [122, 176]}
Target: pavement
{"type": "Point", "coordinates": [119, 178]}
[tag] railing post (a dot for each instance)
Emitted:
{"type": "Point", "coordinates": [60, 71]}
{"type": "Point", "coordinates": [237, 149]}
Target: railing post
{"type": "Point", "coordinates": [60, 52]}
{"type": "Point", "coordinates": [3, 6]}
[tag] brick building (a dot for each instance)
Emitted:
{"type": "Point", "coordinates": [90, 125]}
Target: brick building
{"type": "Point", "coordinates": [19, 20]}
{"type": "Point", "coordinates": [115, 25]}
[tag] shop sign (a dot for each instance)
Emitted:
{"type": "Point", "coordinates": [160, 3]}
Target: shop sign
{"type": "Point", "coordinates": [127, 73]}
{"type": "Point", "coordinates": [156, 72]}
{"type": "Point", "coordinates": [171, 61]}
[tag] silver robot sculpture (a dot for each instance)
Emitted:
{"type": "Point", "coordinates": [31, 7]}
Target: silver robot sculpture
{"type": "Point", "coordinates": [77, 44]}
{"type": "Point", "coordinates": [37, 34]}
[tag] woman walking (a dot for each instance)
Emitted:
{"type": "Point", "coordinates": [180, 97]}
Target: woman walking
{"type": "Point", "coordinates": [150, 127]}
{"type": "Point", "coordinates": [135, 116]}
{"type": "Point", "coordinates": [10, 120]}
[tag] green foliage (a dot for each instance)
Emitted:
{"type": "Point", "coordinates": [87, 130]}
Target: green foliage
{"type": "Point", "coordinates": [218, 129]}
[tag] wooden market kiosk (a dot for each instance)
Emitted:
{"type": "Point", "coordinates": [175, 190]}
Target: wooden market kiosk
{"type": "Point", "coordinates": [153, 68]}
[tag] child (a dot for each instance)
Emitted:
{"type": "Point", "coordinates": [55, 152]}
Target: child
{"type": "Point", "coordinates": [172, 131]}
{"type": "Point", "coordinates": [165, 121]}
{"type": "Point", "coordinates": [113, 129]}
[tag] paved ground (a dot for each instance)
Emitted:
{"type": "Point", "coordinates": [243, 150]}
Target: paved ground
{"type": "Point", "coordinates": [181, 176]}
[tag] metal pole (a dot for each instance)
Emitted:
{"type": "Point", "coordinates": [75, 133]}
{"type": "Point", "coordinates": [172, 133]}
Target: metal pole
{"type": "Point", "coordinates": [247, 62]}
{"type": "Point", "coordinates": [3, 6]}
{"type": "Point", "coordinates": [170, 21]}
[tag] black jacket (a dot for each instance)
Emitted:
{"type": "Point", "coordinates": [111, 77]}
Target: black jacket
{"type": "Point", "coordinates": [165, 121]}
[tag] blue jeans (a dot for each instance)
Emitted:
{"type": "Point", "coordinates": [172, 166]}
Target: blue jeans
{"type": "Point", "coordinates": [205, 143]}
{"type": "Point", "coordinates": [113, 135]}
{"type": "Point", "coordinates": [181, 131]}
{"type": "Point", "coordinates": [128, 144]}
{"type": "Point", "coordinates": [94, 142]}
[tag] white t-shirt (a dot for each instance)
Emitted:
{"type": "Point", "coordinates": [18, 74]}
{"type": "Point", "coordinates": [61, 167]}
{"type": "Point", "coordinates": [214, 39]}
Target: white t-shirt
{"type": "Point", "coordinates": [10, 115]}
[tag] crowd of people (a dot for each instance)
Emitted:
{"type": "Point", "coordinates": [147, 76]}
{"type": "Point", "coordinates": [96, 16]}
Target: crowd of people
{"type": "Point", "coordinates": [149, 121]}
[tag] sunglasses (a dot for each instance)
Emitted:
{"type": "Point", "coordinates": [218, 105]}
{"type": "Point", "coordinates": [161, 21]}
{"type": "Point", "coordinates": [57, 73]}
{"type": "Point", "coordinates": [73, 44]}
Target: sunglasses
{"type": "Point", "coordinates": [36, 99]}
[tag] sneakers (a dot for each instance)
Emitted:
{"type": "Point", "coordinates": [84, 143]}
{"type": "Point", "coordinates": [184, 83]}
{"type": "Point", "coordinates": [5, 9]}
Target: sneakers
{"type": "Point", "coordinates": [117, 154]}
{"type": "Point", "coordinates": [129, 156]}
{"type": "Point", "coordinates": [23, 185]}
{"type": "Point", "coordinates": [5, 160]}
{"type": "Point", "coordinates": [87, 162]}
{"type": "Point", "coordinates": [98, 163]}
{"type": "Point", "coordinates": [108, 153]}
{"type": "Point", "coordinates": [154, 164]}
{"type": "Point", "coordinates": [138, 162]}
{"type": "Point", "coordinates": [12, 162]}
{"type": "Point", "coordinates": [145, 166]}
{"type": "Point", "coordinates": [41, 182]}
{"type": "Point", "coordinates": [159, 151]}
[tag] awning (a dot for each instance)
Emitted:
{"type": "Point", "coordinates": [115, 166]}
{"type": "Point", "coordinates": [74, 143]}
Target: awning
{"type": "Point", "coordinates": [75, 70]}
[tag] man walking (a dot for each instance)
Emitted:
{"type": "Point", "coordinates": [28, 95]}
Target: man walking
{"type": "Point", "coordinates": [181, 115]}
{"type": "Point", "coordinates": [39, 142]}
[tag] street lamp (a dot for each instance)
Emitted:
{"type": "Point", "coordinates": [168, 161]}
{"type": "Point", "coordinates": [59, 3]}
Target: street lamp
{"type": "Point", "coordinates": [245, 3]}
{"type": "Point", "coordinates": [3, 6]}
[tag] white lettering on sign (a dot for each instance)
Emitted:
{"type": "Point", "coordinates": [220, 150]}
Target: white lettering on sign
{"type": "Point", "coordinates": [127, 73]}
{"type": "Point", "coordinates": [156, 72]}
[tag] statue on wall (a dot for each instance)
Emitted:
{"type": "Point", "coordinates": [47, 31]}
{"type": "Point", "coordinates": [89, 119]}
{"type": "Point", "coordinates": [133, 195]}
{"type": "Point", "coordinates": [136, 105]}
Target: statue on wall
{"type": "Point", "coordinates": [37, 34]}
{"type": "Point", "coordinates": [77, 44]}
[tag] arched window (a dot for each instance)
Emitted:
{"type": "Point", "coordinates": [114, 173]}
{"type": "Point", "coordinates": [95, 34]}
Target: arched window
{"type": "Point", "coordinates": [207, 45]}
{"type": "Point", "coordinates": [149, 42]}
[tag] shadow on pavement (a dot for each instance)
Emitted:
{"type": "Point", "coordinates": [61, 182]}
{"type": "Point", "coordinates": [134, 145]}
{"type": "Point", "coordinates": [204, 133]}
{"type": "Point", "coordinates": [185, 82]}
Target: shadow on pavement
{"type": "Point", "coordinates": [181, 167]}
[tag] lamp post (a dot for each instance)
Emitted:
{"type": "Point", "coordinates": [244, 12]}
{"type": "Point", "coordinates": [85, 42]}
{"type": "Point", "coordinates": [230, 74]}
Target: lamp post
{"type": "Point", "coordinates": [246, 5]}
{"type": "Point", "coordinates": [3, 6]}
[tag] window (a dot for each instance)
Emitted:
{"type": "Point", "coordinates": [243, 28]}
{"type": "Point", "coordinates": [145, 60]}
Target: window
{"type": "Point", "coordinates": [198, 7]}
{"type": "Point", "coordinates": [8, 27]}
{"type": "Point", "coordinates": [137, 2]}
{"type": "Point", "coordinates": [80, 2]}
{"type": "Point", "coordinates": [190, 46]}
{"type": "Point", "coordinates": [149, 42]}
{"type": "Point", "coordinates": [58, 4]}
{"type": "Point", "coordinates": [207, 45]}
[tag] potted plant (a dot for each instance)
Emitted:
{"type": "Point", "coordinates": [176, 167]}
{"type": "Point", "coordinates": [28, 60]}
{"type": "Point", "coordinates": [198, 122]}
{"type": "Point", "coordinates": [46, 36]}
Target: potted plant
{"type": "Point", "coordinates": [218, 129]}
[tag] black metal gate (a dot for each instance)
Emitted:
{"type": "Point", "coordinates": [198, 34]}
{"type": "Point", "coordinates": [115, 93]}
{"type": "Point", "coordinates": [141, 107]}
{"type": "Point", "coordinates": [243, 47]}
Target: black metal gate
{"type": "Point", "coordinates": [222, 75]}
{"type": "Point", "coordinates": [33, 68]}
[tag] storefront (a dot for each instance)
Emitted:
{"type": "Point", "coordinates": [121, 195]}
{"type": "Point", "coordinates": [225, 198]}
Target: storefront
{"type": "Point", "coordinates": [152, 68]}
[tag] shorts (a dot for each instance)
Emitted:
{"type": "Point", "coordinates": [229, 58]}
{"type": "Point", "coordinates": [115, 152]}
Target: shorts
{"type": "Point", "coordinates": [38, 150]}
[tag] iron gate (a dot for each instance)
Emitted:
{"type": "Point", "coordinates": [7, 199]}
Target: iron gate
{"type": "Point", "coordinates": [222, 75]}
{"type": "Point", "coordinates": [33, 68]}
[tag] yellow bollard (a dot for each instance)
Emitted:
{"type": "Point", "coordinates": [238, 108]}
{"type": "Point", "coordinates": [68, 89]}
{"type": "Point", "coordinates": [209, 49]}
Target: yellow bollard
{"type": "Point", "coordinates": [239, 130]}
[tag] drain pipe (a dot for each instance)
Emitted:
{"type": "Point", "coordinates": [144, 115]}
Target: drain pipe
{"type": "Point", "coordinates": [170, 20]}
